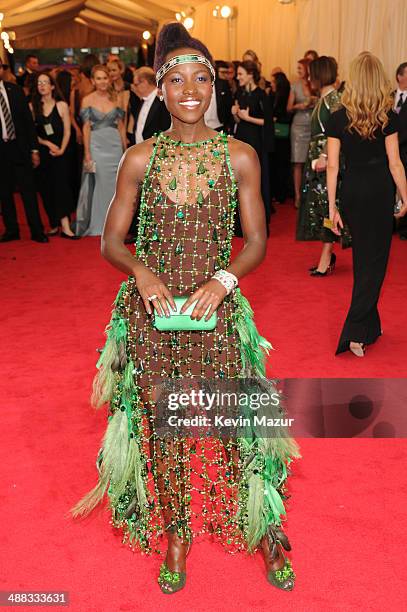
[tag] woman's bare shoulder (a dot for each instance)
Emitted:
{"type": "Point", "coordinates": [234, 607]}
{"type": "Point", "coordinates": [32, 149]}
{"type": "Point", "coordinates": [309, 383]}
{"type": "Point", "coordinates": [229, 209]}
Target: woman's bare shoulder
{"type": "Point", "coordinates": [136, 158]}
{"type": "Point", "coordinates": [62, 105]}
{"type": "Point", "coordinates": [241, 153]}
{"type": "Point", "coordinates": [87, 100]}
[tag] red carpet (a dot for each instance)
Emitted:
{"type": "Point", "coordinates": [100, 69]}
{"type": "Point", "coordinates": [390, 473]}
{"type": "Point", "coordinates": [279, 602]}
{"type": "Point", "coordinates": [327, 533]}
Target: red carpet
{"type": "Point", "coordinates": [347, 514]}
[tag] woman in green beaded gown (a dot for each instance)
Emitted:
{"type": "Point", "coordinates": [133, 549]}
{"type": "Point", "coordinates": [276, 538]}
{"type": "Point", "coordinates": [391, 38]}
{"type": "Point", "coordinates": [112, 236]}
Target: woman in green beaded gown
{"type": "Point", "coordinates": [314, 208]}
{"type": "Point", "coordinates": [187, 183]}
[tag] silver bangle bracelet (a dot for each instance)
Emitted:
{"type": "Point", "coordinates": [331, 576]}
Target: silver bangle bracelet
{"type": "Point", "coordinates": [227, 279]}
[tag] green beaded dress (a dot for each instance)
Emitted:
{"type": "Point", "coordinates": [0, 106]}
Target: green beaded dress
{"type": "Point", "coordinates": [314, 205]}
{"type": "Point", "coordinates": [232, 489]}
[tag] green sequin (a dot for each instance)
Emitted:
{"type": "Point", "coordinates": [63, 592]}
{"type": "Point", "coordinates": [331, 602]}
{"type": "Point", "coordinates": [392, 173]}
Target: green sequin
{"type": "Point", "coordinates": [201, 168]}
{"type": "Point", "coordinates": [173, 184]}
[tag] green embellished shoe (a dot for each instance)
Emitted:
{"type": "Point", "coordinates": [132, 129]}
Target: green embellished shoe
{"type": "Point", "coordinates": [171, 582]}
{"type": "Point", "coordinates": [283, 578]}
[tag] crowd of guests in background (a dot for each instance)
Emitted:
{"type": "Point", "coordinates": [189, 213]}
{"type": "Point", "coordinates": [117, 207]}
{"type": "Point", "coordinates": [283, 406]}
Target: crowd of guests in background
{"type": "Point", "coordinates": [338, 149]}
{"type": "Point", "coordinates": [84, 117]}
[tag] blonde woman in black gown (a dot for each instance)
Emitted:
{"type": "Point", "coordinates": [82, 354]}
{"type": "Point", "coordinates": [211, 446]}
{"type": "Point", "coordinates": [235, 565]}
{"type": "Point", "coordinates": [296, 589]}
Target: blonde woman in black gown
{"type": "Point", "coordinates": [365, 129]}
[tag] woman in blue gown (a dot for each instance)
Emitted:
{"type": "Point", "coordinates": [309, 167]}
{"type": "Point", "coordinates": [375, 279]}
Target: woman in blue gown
{"type": "Point", "coordinates": [104, 139]}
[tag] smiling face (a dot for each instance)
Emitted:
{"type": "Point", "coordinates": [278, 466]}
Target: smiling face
{"type": "Point", "coordinates": [244, 77]}
{"type": "Point", "coordinates": [44, 85]}
{"type": "Point", "coordinates": [101, 81]}
{"type": "Point", "coordinates": [187, 88]}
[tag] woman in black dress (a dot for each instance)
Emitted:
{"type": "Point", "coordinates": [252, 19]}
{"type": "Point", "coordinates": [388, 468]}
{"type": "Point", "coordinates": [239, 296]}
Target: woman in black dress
{"type": "Point", "coordinates": [254, 123]}
{"type": "Point", "coordinates": [51, 116]}
{"type": "Point", "coordinates": [366, 131]}
{"type": "Point", "coordinates": [280, 164]}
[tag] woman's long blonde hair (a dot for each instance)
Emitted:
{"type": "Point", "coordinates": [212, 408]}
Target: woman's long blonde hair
{"type": "Point", "coordinates": [367, 96]}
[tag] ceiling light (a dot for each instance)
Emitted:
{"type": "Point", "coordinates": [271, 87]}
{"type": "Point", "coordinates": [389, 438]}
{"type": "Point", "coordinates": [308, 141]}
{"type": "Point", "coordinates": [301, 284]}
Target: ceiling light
{"type": "Point", "coordinates": [178, 16]}
{"type": "Point", "coordinates": [146, 35]}
{"type": "Point", "coordinates": [4, 36]}
{"type": "Point", "coordinates": [226, 11]}
{"type": "Point", "coordinates": [188, 23]}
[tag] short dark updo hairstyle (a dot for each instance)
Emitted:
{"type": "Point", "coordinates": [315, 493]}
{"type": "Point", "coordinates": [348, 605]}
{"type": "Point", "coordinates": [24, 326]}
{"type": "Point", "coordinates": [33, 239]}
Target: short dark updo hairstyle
{"type": "Point", "coordinates": [175, 36]}
{"type": "Point", "coordinates": [323, 71]}
{"type": "Point", "coordinates": [251, 68]}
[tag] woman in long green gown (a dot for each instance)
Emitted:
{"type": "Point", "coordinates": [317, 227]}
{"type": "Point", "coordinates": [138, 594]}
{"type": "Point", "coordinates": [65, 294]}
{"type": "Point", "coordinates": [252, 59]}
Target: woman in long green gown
{"type": "Point", "coordinates": [190, 181]}
{"type": "Point", "coordinates": [313, 214]}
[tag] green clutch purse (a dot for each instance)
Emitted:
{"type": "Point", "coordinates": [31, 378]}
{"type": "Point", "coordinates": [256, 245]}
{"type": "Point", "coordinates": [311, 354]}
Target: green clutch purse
{"type": "Point", "coordinates": [282, 130]}
{"type": "Point", "coordinates": [183, 322]}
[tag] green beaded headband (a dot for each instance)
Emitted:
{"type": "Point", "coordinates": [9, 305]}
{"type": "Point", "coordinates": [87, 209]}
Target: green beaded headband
{"type": "Point", "coordinates": [184, 59]}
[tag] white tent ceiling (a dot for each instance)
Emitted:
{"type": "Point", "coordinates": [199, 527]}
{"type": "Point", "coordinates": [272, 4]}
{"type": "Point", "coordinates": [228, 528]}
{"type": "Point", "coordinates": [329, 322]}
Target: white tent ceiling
{"type": "Point", "coordinates": [71, 23]}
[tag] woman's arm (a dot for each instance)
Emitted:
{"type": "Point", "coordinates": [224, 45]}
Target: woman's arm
{"type": "Point", "coordinates": [235, 111]}
{"type": "Point", "coordinates": [244, 115]}
{"type": "Point", "coordinates": [122, 131]}
{"type": "Point", "coordinates": [86, 130]}
{"type": "Point", "coordinates": [397, 169]}
{"type": "Point", "coordinates": [292, 106]}
{"type": "Point", "coordinates": [246, 167]}
{"type": "Point", "coordinates": [332, 169]}
{"type": "Point", "coordinates": [119, 217]}
{"type": "Point", "coordinates": [86, 141]}
{"type": "Point", "coordinates": [74, 123]}
{"type": "Point", "coordinates": [63, 110]}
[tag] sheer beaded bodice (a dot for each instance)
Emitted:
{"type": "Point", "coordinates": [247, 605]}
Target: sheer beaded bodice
{"type": "Point", "coordinates": [187, 212]}
{"type": "Point", "coordinates": [187, 207]}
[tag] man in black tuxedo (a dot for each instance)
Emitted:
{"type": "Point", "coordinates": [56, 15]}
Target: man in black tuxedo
{"type": "Point", "coordinates": [31, 67]}
{"type": "Point", "coordinates": [219, 114]}
{"type": "Point", "coordinates": [150, 115]}
{"type": "Point", "coordinates": [400, 107]}
{"type": "Point", "coordinates": [18, 154]}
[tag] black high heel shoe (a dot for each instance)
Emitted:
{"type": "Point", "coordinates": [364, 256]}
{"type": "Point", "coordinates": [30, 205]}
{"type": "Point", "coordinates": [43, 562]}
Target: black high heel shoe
{"type": "Point", "coordinates": [331, 267]}
{"type": "Point", "coordinates": [68, 237]}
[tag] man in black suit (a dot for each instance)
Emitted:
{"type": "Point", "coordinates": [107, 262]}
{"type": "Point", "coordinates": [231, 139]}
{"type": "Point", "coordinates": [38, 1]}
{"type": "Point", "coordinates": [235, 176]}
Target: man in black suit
{"type": "Point", "coordinates": [149, 113]}
{"type": "Point", "coordinates": [18, 154]}
{"type": "Point", "coordinates": [219, 114]}
{"type": "Point", "coordinates": [31, 67]}
{"type": "Point", "coordinates": [400, 107]}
